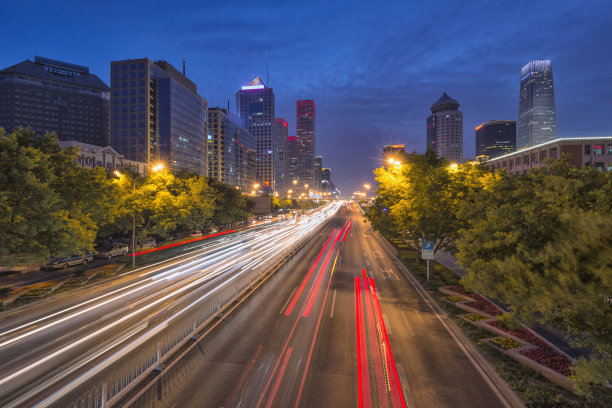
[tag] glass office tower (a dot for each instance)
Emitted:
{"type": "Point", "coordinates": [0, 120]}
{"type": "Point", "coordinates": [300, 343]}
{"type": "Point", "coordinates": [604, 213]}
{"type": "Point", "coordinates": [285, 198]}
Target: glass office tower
{"type": "Point", "coordinates": [537, 122]}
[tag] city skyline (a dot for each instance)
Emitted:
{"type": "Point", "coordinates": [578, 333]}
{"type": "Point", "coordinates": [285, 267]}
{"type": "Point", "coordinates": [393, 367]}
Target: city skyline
{"type": "Point", "coordinates": [358, 98]}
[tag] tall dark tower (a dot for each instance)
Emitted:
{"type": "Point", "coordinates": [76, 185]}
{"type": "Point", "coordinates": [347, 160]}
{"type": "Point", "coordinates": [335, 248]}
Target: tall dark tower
{"type": "Point", "coordinates": [255, 106]}
{"type": "Point", "coordinates": [306, 140]}
{"type": "Point", "coordinates": [281, 132]}
{"type": "Point", "coordinates": [537, 121]}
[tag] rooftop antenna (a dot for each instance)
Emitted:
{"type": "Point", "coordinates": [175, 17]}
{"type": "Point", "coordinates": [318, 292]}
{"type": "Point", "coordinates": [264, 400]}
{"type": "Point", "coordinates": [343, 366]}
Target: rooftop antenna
{"type": "Point", "coordinates": [183, 66]}
{"type": "Point", "coordinates": [228, 108]}
{"type": "Point", "coordinates": [267, 76]}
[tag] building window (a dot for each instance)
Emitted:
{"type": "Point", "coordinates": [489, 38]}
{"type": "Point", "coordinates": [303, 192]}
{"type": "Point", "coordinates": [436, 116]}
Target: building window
{"type": "Point", "coordinates": [553, 152]}
{"type": "Point", "coordinates": [526, 159]}
{"type": "Point", "coordinates": [543, 154]}
{"type": "Point", "coordinates": [599, 166]}
{"type": "Point", "coordinates": [587, 150]}
{"type": "Point", "coordinates": [518, 161]}
{"type": "Point", "coordinates": [597, 150]}
{"type": "Point", "coordinates": [610, 149]}
{"type": "Point", "coordinates": [534, 158]}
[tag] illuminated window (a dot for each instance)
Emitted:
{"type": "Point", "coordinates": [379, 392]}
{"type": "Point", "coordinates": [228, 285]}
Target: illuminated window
{"type": "Point", "coordinates": [597, 150]}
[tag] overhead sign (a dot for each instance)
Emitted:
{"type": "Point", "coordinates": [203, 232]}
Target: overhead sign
{"type": "Point", "coordinates": [427, 248]}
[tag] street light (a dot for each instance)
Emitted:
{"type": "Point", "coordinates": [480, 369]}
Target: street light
{"type": "Point", "coordinates": [453, 167]}
{"type": "Point", "coordinates": [158, 167]}
{"type": "Point", "coordinates": [118, 174]}
{"type": "Point", "coordinates": [366, 186]}
{"type": "Point", "coordinates": [294, 182]}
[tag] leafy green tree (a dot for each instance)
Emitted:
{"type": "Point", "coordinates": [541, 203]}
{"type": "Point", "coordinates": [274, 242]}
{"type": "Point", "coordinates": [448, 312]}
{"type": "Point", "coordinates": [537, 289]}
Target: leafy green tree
{"type": "Point", "coordinates": [541, 244]}
{"type": "Point", "coordinates": [48, 204]}
{"type": "Point", "coordinates": [230, 204]}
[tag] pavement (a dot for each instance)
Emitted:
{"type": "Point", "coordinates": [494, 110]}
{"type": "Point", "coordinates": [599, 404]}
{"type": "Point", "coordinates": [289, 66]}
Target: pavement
{"type": "Point", "coordinates": [339, 325]}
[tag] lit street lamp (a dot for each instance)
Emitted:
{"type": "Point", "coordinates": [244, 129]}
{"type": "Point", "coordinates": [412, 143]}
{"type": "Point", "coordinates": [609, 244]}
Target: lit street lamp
{"type": "Point", "coordinates": [156, 168]}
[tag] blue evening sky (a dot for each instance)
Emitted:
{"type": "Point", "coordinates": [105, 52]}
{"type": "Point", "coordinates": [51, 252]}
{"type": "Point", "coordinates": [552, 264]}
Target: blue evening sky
{"type": "Point", "coordinates": [373, 68]}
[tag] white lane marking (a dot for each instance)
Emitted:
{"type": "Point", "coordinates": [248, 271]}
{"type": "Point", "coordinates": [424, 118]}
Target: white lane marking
{"type": "Point", "coordinates": [407, 324]}
{"type": "Point", "coordinates": [405, 387]}
{"type": "Point", "coordinates": [331, 315]}
{"type": "Point", "coordinates": [387, 325]}
{"type": "Point", "coordinates": [368, 263]}
{"type": "Point", "coordinates": [288, 299]}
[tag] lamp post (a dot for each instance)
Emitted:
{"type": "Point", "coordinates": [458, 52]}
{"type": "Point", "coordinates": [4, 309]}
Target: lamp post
{"type": "Point", "coordinates": [157, 167]}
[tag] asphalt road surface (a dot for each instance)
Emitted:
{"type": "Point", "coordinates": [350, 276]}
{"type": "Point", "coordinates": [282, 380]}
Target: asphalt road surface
{"type": "Point", "coordinates": [337, 326]}
{"type": "Point", "coordinates": [53, 351]}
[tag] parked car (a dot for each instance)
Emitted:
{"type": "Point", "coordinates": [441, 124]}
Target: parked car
{"type": "Point", "coordinates": [149, 243]}
{"type": "Point", "coordinates": [196, 234]}
{"type": "Point", "coordinates": [63, 263]}
{"type": "Point", "coordinates": [115, 250]}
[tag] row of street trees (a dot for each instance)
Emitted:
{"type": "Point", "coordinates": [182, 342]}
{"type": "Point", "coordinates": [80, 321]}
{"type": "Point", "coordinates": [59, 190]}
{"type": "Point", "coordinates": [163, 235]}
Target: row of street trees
{"type": "Point", "coordinates": [49, 205]}
{"type": "Point", "coordinates": [538, 242]}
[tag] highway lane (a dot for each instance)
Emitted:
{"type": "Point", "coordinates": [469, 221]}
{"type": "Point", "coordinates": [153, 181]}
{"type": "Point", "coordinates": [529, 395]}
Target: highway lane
{"type": "Point", "coordinates": [48, 345]}
{"type": "Point", "coordinates": [374, 345]}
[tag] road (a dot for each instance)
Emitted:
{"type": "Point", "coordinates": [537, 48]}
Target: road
{"type": "Point", "coordinates": [338, 326]}
{"type": "Point", "coordinates": [52, 351]}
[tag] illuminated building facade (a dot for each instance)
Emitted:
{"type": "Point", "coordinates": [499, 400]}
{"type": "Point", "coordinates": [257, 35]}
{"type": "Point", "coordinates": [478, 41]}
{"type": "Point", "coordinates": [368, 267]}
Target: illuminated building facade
{"type": "Point", "coordinates": [537, 121]}
{"type": "Point", "coordinates": [281, 132]}
{"type": "Point", "coordinates": [291, 154]}
{"type": "Point", "coordinates": [157, 114]}
{"type": "Point", "coordinates": [54, 96]}
{"type": "Point", "coordinates": [255, 106]}
{"type": "Point", "coordinates": [318, 174]}
{"type": "Point", "coordinates": [231, 149]}
{"type": "Point", "coordinates": [306, 140]}
{"type": "Point", "coordinates": [495, 138]}
{"type": "Point", "coordinates": [445, 129]}
{"type": "Point", "coordinates": [579, 151]}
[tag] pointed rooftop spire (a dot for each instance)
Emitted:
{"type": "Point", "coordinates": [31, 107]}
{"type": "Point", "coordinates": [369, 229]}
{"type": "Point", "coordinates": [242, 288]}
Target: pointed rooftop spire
{"type": "Point", "coordinates": [257, 83]}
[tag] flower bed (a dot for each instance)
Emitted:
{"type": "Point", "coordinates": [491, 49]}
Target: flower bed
{"type": "Point", "coordinates": [36, 293]}
{"type": "Point", "coordinates": [506, 343]}
{"type": "Point", "coordinates": [475, 317]}
{"type": "Point", "coordinates": [484, 305]}
{"type": "Point", "coordinates": [73, 282]}
{"type": "Point", "coordinates": [455, 298]}
{"type": "Point", "coordinates": [550, 358]}
{"type": "Point", "coordinates": [459, 290]}
{"type": "Point", "coordinates": [522, 334]}
{"type": "Point", "coordinates": [543, 353]}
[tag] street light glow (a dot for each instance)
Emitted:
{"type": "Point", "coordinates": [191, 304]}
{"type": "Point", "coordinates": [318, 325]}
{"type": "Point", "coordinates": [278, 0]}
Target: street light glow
{"type": "Point", "coordinates": [158, 167]}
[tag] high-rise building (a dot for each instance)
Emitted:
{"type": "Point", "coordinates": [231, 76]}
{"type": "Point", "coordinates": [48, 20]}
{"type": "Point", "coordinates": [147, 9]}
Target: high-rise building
{"type": "Point", "coordinates": [255, 106]}
{"type": "Point", "coordinates": [537, 122]}
{"type": "Point", "coordinates": [495, 138]}
{"type": "Point", "coordinates": [157, 114]}
{"type": "Point", "coordinates": [229, 144]}
{"type": "Point", "coordinates": [318, 174]}
{"type": "Point", "coordinates": [291, 162]}
{"type": "Point", "coordinates": [306, 140]}
{"type": "Point", "coordinates": [445, 129]}
{"type": "Point", "coordinates": [281, 132]}
{"type": "Point", "coordinates": [54, 96]}
{"type": "Point", "coordinates": [391, 152]}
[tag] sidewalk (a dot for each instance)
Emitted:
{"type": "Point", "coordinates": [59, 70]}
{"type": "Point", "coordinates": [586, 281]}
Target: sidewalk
{"type": "Point", "coordinates": [555, 337]}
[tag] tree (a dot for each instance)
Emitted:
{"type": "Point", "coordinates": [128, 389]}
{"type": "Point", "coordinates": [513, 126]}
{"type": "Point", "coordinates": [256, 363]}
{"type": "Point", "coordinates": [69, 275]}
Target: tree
{"type": "Point", "coordinates": [48, 204]}
{"type": "Point", "coordinates": [541, 244]}
{"type": "Point", "coordinates": [422, 197]}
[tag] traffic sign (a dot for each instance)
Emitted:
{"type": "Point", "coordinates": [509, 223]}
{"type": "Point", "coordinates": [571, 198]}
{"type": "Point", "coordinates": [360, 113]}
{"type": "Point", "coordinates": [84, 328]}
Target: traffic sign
{"type": "Point", "coordinates": [427, 248]}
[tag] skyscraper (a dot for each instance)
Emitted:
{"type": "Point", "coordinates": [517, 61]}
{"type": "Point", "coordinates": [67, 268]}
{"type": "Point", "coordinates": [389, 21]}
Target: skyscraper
{"type": "Point", "coordinates": [255, 106]}
{"type": "Point", "coordinates": [495, 138]}
{"type": "Point", "coordinates": [445, 129]}
{"type": "Point", "coordinates": [55, 96]}
{"type": "Point", "coordinates": [281, 132]}
{"type": "Point", "coordinates": [229, 144]}
{"type": "Point", "coordinates": [318, 174]}
{"type": "Point", "coordinates": [158, 115]}
{"type": "Point", "coordinates": [537, 122]}
{"type": "Point", "coordinates": [291, 154]}
{"type": "Point", "coordinates": [306, 140]}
